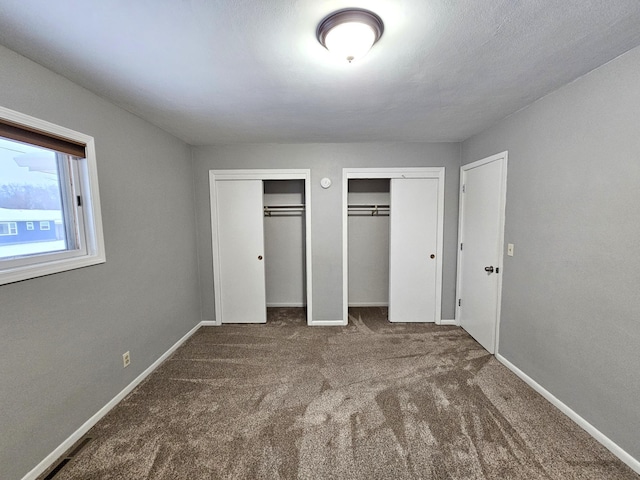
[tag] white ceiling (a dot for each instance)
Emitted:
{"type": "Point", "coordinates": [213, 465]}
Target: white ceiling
{"type": "Point", "coordinates": [227, 71]}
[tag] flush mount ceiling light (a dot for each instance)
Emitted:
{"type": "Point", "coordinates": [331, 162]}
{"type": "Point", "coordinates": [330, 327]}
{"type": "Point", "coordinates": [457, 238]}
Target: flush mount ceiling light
{"type": "Point", "coordinates": [350, 33]}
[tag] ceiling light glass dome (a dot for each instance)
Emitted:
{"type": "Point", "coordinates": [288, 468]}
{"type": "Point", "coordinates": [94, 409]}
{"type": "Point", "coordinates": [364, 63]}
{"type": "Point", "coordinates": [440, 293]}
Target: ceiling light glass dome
{"type": "Point", "coordinates": [350, 33]}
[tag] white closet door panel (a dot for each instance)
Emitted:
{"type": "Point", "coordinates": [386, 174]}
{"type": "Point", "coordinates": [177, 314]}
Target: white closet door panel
{"type": "Point", "coordinates": [241, 248]}
{"type": "Point", "coordinates": [414, 235]}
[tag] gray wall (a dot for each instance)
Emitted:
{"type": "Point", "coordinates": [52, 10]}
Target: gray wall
{"type": "Point", "coordinates": [62, 336]}
{"type": "Point", "coordinates": [570, 304]}
{"type": "Point", "coordinates": [326, 160]}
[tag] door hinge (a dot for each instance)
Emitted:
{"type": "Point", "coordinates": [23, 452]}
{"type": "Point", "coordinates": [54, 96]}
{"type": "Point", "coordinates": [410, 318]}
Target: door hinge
{"type": "Point", "coordinates": [461, 246]}
{"type": "Point", "coordinates": [79, 200]}
{"type": "Point", "coordinates": [464, 188]}
{"type": "Point", "coordinates": [459, 302]}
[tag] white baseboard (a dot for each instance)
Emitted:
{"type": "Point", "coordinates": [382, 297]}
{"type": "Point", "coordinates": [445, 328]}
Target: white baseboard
{"type": "Point", "coordinates": [285, 304]}
{"type": "Point", "coordinates": [75, 436]}
{"type": "Point", "coordinates": [448, 322]}
{"type": "Point", "coordinates": [590, 429]}
{"type": "Point", "coordinates": [209, 323]}
{"type": "Point", "coordinates": [327, 323]}
{"type": "Point", "coordinates": [368, 304]}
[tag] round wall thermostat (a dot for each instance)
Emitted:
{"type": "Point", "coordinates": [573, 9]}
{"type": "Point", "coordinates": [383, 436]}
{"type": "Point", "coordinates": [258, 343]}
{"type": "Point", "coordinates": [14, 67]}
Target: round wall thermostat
{"type": "Point", "coordinates": [325, 182]}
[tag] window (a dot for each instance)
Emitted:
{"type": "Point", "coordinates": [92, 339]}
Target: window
{"type": "Point", "coordinates": [8, 228]}
{"type": "Point", "coordinates": [48, 177]}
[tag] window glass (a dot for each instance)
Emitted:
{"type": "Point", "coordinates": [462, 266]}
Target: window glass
{"type": "Point", "coordinates": [31, 186]}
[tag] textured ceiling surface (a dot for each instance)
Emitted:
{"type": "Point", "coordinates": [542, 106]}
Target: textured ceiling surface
{"type": "Point", "coordinates": [227, 71]}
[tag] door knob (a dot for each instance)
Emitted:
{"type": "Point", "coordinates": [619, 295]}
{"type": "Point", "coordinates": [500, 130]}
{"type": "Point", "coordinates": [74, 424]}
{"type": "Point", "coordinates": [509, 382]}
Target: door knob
{"type": "Point", "coordinates": [432, 256]}
{"type": "Point", "coordinates": [488, 269]}
{"type": "Point", "coordinates": [259, 257]}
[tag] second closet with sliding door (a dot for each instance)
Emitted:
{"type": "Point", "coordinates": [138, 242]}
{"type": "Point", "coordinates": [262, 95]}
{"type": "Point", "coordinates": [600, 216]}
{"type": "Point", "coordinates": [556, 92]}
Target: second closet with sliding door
{"type": "Point", "coordinates": [393, 220]}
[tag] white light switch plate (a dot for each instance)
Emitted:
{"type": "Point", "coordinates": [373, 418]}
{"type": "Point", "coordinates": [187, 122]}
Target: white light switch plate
{"type": "Point", "coordinates": [510, 249]}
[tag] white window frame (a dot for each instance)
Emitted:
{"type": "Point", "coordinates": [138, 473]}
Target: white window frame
{"type": "Point", "coordinates": [45, 223]}
{"type": "Point", "coordinates": [30, 226]}
{"type": "Point", "coordinates": [88, 216]}
{"type": "Point", "coordinates": [13, 229]}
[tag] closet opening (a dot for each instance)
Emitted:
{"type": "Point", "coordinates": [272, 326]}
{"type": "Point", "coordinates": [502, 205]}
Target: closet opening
{"type": "Point", "coordinates": [392, 242]}
{"type": "Point", "coordinates": [368, 247]}
{"type": "Point", "coordinates": [261, 245]}
{"type": "Point", "coordinates": [284, 250]}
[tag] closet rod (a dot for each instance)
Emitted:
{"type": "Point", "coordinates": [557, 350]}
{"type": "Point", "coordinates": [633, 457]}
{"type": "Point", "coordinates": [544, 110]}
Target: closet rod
{"type": "Point", "coordinates": [373, 210]}
{"type": "Point", "coordinates": [283, 209]}
{"type": "Point", "coordinates": [367, 207]}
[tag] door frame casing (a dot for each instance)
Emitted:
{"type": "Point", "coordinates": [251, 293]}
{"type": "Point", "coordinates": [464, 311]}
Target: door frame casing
{"type": "Point", "coordinates": [259, 174]}
{"type": "Point", "coordinates": [503, 156]}
{"type": "Point", "coordinates": [389, 173]}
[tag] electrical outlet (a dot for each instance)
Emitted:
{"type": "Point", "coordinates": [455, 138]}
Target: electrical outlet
{"type": "Point", "coordinates": [126, 359]}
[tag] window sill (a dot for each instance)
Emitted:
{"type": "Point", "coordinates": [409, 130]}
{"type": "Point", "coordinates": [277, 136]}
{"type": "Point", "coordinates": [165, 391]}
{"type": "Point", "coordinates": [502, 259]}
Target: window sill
{"type": "Point", "coordinates": [18, 274]}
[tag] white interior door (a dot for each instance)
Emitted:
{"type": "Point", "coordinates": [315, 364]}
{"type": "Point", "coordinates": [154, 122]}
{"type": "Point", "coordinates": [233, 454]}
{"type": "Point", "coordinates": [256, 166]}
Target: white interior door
{"type": "Point", "coordinates": [240, 238]}
{"type": "Point", "coordinates": [413, 249]}
{"type": "Point", "coordinates": [481, 234]}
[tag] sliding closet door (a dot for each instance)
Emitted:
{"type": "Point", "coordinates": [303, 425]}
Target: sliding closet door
{"type": "Point", "coordinates": [413, 247]}
{"type": "Point", "coordinates": [240, 234]}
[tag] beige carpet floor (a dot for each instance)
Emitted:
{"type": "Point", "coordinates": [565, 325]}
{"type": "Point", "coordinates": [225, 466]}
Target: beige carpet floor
{"type": "Point", "coordinates": [372, 400]}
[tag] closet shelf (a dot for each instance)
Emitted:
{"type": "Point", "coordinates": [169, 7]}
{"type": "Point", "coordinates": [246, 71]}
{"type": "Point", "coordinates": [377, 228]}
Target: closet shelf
{"type": "Point", "coordinates": [270, 210]}
{"type": "Point", "coordinates": [373, 210]}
